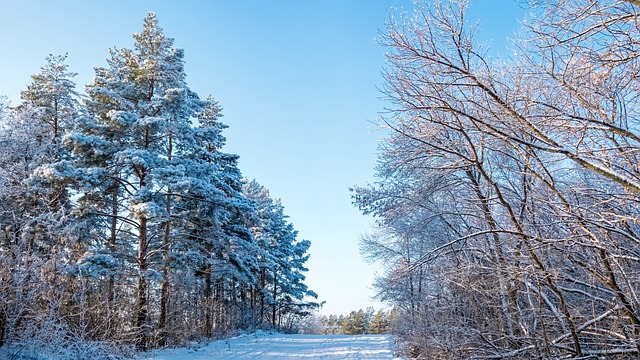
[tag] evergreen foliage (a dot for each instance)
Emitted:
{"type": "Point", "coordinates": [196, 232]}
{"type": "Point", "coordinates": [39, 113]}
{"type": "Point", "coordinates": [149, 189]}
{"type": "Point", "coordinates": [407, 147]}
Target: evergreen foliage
{"type": "Point", "coordinates": [367, 321]}
{"type": "Point", "coordinates": [122, 219]}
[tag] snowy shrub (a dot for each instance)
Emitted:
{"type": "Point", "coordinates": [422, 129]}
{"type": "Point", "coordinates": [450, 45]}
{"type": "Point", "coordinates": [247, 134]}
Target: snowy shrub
{"type": "Point", "coordinates": [55, 341]}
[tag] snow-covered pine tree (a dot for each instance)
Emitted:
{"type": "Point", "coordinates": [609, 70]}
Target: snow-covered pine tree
{"type": "Point", "coordinates": [51, 98]}
{"type": "Point", "coordinates": [261, 230]}
{"type": "Point", "coordinates": [35, 199]}
{"type": "Point", "coordinates": [49, 109]}
{"type": "Point", "coordinates": [139, 108]}
{"type": "Point", "coordinates": [232, 256]}
{"type": "Point", "coordinates": [206, 228]}
{"type": "Point", "coordinates": [281, 283]}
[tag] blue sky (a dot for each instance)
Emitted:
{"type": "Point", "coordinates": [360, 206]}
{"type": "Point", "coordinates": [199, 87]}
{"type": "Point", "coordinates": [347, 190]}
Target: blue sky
{"type": "Point", "coordinates": [297, 82]}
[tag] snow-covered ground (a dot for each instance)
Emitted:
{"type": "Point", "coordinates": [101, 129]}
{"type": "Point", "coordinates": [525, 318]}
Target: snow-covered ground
{"type": "Point", "coordinates": [266, 346]}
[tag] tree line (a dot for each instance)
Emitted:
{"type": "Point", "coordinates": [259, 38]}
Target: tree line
{"type": "Point", "coordinates": [357, 322]}
{"type": "Point", "coordinates": [123, 221]}
{"type": "Point", "coordinates": [508, 190]}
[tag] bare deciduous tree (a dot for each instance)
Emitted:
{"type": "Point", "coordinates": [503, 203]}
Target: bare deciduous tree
{"type": "Point", "coordinates": [537, 181]}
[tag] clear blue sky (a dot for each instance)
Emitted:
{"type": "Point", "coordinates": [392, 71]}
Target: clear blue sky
{"type": "Point", "coordinates": [297, 82]}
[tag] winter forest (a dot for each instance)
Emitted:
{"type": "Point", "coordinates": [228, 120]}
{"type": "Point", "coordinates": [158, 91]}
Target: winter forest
{"type": "Point", "coordinates": [123, 221]}
{"type": "Point", "coordinates": [506, 199]}
{"type": "Point", "coordinates": [508, 191]}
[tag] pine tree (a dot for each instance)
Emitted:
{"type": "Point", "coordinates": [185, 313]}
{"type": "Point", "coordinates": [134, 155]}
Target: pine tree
{"type": "Point", "coordinates": [51, 99]}
{"type": "Point", "coordinates": [140, 109]}
{"type": "Point", "coordinates": [211, 213]}
{"type": "Point", "coordinates": [281, 283]}
{"type": "Point", "coordinates": [379, 323]}
{"type": "Point", "coordinates": [38, 234]}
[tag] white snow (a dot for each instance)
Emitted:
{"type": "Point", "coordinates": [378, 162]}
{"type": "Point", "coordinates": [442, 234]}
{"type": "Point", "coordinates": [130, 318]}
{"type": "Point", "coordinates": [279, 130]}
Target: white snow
{"type": "Point", "coordinates": [273, 346]}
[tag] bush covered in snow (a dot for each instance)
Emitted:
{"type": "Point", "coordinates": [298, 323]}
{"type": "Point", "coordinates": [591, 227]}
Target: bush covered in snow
{"type": "Point", "coordinates": [55, 341]}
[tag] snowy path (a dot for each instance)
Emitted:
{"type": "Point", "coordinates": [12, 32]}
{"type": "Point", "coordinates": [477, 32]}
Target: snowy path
{"type": "Point", "coordinates": [263, 346]}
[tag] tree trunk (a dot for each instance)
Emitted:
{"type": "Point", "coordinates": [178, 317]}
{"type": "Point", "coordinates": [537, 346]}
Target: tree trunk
{"type": "Point", "coordinates": [220, 302]}
{"type": "Point", "coordinates": [164, 291]}
{"type": "Point", "coordinates": [263, 284]}
{"type": "Point", "coordinates": [208, 303]}
{"type": "Point", "coordinates": [507, 296]}
{"type": "Point", "coordinates": [275, 294]}
{"type": "Point", "coordinates": [141, 302]}
{"type": "Point", "coordinates": [112, 248]}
